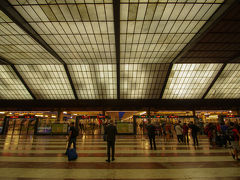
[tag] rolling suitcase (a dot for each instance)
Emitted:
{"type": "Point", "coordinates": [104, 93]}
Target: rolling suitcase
{"type": "Point", "coordinates": [72, 154]}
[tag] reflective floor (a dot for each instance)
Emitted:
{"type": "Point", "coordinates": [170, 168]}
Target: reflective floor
{"type": "Point", "coordinates": [41, 157]}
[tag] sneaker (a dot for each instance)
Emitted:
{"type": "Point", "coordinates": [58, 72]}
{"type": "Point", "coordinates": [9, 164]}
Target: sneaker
{"type": "Point", "coordinates": [108, 160]}
{"type": "Point", "coordinates": [233, 156]}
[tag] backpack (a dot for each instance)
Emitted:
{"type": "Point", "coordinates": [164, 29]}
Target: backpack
{"type": "Point", "coordinates": [231, 134]}
{"type": "Point", "coordinates": [75, 132]}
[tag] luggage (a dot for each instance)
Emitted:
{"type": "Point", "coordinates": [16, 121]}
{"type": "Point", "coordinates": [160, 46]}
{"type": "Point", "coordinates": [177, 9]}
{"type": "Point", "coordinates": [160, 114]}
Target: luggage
{"type": "Point", "coordinates": [72, 154]}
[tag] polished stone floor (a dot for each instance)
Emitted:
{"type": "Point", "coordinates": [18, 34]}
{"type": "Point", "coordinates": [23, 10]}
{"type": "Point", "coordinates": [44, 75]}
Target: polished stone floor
{"type": "Point", "coordinates": [41, 157]}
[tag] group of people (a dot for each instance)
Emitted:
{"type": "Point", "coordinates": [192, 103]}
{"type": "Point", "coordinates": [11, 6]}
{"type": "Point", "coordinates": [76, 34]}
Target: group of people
{"type": "Point", "coordinates": [227, 135]}
{"type": "Point", "coordinates": [181, 132]}
{"type": "Point", "coordinates": [229, 132]}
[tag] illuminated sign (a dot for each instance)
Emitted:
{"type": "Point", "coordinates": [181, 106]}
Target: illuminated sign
{"type": "Point", "coordinates": [232, 116]}
{"type": "Point", "coordinates": [27, 117]}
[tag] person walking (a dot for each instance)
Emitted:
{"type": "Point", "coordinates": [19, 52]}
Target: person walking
{"type": "Point", "coordinates": [72, 137]}
{"type": "Point", "coordinates": [185, 133]}
{"type": "Point", "coordinates": [194, 129]}
{"type": "Point", "coordinates": [151, 135]}
{"type": "Point", "coordinates": [179, 133]}
{"type": "Point", "coordinates": [110, 133]}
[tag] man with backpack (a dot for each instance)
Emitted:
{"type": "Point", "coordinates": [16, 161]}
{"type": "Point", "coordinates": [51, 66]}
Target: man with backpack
{"type": "Point", "coordinates": [233, 136]}
{"type": "Point", "coordinates": [73, 133]}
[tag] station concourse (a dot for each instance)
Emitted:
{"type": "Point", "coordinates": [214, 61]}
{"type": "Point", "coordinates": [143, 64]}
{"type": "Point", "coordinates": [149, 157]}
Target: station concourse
{"type": "Point", "coordinates": [133, 63]}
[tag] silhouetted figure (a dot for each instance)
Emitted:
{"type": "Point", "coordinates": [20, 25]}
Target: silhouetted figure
{"type": "Point", "coordinates": [110, 132]}
{"type": "Point", "coordinates": [151, 134]}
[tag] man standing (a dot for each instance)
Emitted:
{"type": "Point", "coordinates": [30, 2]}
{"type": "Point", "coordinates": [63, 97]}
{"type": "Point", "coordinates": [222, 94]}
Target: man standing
{"type": "Point", "coordinates": [194, 133]}
{"type": "Point", "coordinates": [110, 132]}
{"type": "Point", "coordinates": [151, 134]}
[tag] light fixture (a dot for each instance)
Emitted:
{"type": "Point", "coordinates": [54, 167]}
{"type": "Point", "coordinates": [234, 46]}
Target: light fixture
{"type": "Point", "coordinates": [54, 116]}
{"type": "Point", "coordinates": [64, 112]}
{"type": "Point", "coordinates": [39, 115]}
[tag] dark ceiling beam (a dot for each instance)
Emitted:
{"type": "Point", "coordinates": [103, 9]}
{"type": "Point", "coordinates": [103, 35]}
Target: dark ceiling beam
{"type": "Point", "coordinates": [6, 62]}
{"type": "Point", "coordinates": [120, 105]}
{"type": "Point", "coordinates": [219, 73]}
{"type": "Point", "coordinates": [116, 12]}
{"type": "Point", "coordinates": [166, 80]}
{"type": "Point", "coordinates": [7, 8]}
{"type": "Point", "coordinates": [214, 80]}
{"type": "Point", "coordinates": [215, 18]}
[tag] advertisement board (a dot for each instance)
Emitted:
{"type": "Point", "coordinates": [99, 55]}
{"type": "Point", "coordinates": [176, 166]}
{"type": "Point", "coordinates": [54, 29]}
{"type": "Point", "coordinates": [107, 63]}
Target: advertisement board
{"type": "Point", "coordinates": [125, 128]}
{"type": "Point", "coordinates": [59, 128]}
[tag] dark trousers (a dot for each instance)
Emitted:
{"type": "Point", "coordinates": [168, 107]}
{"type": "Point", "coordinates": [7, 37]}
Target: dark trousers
{"type": "Point", "coordinates": [152, 140]}
{"type": "Point", "coordinates": [195, 139]}
{"type": "Point", "coordinates": [110, 144]}
{"type": "Point", "coordinates": [180, 138]}
{"type": "Point", "coordinates": [185, 138]}
{"type": "Point", "coordinates": [72, 140]}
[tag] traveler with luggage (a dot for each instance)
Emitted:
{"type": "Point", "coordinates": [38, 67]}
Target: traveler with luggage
{"type": "Point", "coordinates": [72, 137]}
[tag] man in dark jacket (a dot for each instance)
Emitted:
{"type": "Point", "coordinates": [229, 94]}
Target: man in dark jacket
{"type": "Point", "coordinates": [195, 130]}
{"type": "Point", "coordinates": [73, 133]}
{"type": "Point", "coordinates": [110, 133]}
{"type": "Point", "coordinates": [151, 134]}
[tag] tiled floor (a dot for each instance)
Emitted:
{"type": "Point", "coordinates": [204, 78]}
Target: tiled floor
{"type": "Point", "coordinates": [41, 157]}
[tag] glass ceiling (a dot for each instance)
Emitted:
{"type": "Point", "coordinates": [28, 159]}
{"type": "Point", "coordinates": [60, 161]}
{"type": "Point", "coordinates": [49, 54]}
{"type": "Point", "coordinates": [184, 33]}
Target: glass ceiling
{"type": "Point", "coordinates": [227, 85]}
{"type": "Point", "coordinates": [10, 85]}
{"type": "Point", "coordinates": [47, 81]}
{"type": "Point", "coordinates": [94, 81]}
{"type": "Point", "coordinates": [78, 31]}
{"type": "Point", "coordinates": [156, 31]}
{"type": "Point", "coordinates": [190, 81]}
{"type": "Point", "coordinates": [142, 81]}
{"type": "Point", "coordinates": [81, 32]}
{"type": "Point", "coordinates": [18, 47]}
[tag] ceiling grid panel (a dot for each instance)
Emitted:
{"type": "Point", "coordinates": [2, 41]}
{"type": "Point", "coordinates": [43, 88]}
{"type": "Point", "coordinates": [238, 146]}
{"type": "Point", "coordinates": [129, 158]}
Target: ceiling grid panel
{"type": "Point", "coordinates": [142, 81]}
{"type": "Point", "coordinates": [190, 81]}
{"type": "Point", "coordinates": [78, 31]}
{"type": "Point", "coordinates": [157, 31]}
{"type": "Point", "coordinates": [47, 81]}
{"type": "Point", "coordinates": [11, 86]}
{"type": "Point", "coordinates": [97, 81]}
{"type": "Point", "coordinates": [227, 86]}
{"type": "Point", "coordinates": [20, 48]}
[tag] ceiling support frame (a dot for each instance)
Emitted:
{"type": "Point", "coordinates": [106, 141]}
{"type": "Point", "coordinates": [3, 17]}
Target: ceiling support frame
{"type": "Point", "coordinates": [116, 12]}
{"type": "Point", "coordinates": [7, 8]}
{"type": "Point", "coordinates": [166, 80]}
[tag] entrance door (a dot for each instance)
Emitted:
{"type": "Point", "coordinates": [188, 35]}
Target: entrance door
{"type": "Point", "coordinates": [14, 126]}
{"type": "Point", "coordinates": [21, 126]}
